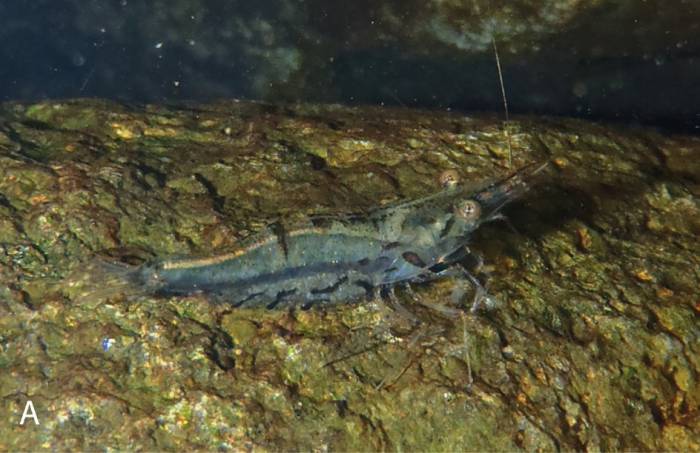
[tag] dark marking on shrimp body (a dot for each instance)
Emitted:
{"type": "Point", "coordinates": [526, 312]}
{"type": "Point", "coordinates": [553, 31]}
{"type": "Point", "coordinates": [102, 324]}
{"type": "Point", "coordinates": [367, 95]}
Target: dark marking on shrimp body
{"type": "Point", "coordinates": [281, 234]}
{"type": "Point", "coordinates": [448, 226]}
{"type": "Point", "coordinates": [414, 259]}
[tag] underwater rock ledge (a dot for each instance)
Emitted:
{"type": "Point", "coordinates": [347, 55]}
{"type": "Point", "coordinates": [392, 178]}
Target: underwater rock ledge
{"type": "Point", "coordinates": [593, 342]}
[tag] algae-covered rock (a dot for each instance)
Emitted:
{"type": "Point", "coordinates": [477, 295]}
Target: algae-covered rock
{"type": "Point", "coordinates": [591, 341]}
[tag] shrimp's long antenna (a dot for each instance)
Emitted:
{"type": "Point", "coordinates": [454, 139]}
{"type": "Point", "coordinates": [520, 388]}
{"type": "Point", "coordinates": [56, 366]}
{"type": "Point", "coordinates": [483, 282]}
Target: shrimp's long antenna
{"type": "Point", "coordinates": [503, 90]}
{"type": "Point", "coordinates": [505, 100]}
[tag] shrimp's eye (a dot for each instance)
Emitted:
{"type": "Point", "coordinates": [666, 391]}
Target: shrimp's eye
{"type": "Point", "coordinates": [469, 210]}
{"type": "Point", "coordinates": [448, 178]}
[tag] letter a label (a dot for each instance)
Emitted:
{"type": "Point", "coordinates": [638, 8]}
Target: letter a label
{"type": "Point", "coordinates": [29, 412]}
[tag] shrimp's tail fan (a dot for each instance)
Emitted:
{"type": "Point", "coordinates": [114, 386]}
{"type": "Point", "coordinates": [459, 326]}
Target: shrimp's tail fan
{"type": "Point", "coordinates": [99, 280]}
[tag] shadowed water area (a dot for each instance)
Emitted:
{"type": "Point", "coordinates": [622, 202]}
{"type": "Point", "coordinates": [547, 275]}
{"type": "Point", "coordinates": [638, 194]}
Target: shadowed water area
{"type": "Point", "coordinates": [592, 342]}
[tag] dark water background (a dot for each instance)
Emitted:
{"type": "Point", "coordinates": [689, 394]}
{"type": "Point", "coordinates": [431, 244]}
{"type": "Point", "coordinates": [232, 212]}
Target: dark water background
{"type": "Point", "coordinates": [605, 63]}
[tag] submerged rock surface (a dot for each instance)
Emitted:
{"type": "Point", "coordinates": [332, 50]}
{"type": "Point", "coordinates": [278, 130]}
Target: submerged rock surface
{"type": "Point", "coordinates": [593, 342]}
